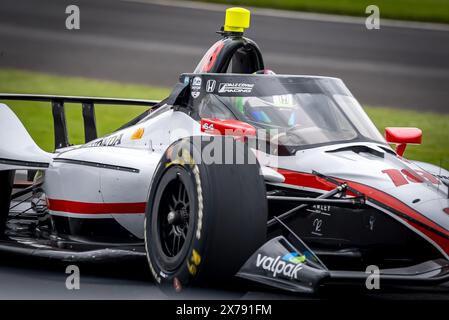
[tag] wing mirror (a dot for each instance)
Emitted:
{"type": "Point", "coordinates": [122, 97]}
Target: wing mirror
{"type": "Point", "coordinates": [403, 136]}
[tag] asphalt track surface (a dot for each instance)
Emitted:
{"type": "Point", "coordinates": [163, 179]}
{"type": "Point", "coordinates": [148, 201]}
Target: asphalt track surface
{"type": "Point", "coordinates": [141, 42]}
{"type": "Point", "coordinates": [151, 44]}
{"type": "Point", "coordinates": [29, 278]}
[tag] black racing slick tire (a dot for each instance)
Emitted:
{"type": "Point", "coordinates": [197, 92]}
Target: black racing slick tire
{"type": "Point", "coordinates": [204, 221]}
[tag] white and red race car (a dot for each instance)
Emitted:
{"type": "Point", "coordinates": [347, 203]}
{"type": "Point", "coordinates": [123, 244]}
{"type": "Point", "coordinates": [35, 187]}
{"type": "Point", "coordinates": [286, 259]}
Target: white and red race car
{"type": "Point", "coordinates": [278, 179]}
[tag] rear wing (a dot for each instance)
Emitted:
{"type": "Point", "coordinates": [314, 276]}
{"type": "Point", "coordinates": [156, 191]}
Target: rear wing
{"type": "Point", "coordinates": [88, 111]}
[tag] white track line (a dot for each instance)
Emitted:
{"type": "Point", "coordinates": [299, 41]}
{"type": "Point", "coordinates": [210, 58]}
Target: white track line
{"type": "Point", "coordinates": [298, 15]}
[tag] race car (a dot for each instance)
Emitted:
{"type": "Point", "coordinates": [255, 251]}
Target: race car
{"type": "Point", "coordinates": [281, 180]}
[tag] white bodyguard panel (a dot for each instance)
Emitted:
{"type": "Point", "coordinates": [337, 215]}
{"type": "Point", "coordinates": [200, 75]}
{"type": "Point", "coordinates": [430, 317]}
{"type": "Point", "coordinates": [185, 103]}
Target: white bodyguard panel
{"type": "Point", "coordinates": [16, 144]}
{"type": "Point", "coordinates": [271, 175]}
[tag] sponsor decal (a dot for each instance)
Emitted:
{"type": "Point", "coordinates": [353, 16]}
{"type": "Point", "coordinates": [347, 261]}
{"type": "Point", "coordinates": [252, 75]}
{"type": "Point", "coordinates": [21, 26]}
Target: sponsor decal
{"type": "Point", "coordinates": [199, 191]}
{"type": "Point", "coordinates": [208, 126]}
{"type": "Point", "coordinates": [316, 226]}
{"type": "Point", "coordinates": [285, 100]}
{"type": "Point", "coordinates": [196, 82]}
{"type": "Point", "coordinates": [287, 266]}
{"type": "Point", "coordinates": [320, 208]}
{"type": "Point", "coordinates": [109, 141]}
{"type": "Point", "coordinates": [294, 257]}
{"type": "Point", "coordinates": [138, 134]}
{"type": "Point", "coordinates": [196, 87]}
{"type": "Point", "coordinates": [193, 262]}
{"type": "Point", "coordinates": [210, 85]}
{"type": "Point", "coordinates": [235, 87]}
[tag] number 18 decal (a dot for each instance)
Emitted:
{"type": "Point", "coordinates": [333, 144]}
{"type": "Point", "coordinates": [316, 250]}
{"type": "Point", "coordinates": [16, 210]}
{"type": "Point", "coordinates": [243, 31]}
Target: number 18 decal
{"type": "Point", "coordinates": [405, 176]}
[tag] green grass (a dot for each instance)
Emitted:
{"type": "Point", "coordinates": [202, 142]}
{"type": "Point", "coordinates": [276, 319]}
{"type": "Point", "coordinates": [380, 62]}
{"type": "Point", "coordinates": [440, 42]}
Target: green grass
{"type": "Point", "coordinates": [418, 10]}
{"type": "Point", "coordinates": [435, 127]}
{"type": "Point", "coordinates": [37, 117]}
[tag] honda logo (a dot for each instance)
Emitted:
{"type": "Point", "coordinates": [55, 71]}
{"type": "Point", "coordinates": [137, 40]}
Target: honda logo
{"type": "Point", "coordinates": [210, 85]}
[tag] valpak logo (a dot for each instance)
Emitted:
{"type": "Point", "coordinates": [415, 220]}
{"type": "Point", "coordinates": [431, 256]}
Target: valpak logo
{"type": "Point", "coordinates": [287, 266]}
{"type": "Point", "coordinates": [235, 87]}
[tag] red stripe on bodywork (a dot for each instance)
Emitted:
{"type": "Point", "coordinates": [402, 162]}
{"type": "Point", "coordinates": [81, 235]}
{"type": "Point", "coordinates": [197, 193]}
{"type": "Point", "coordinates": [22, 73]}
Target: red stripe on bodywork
{"type": "Point", "coordinates": [308, 180]}
{"type": "Point", "coordinates": [396, 204]}
{"type": "Point", "coordinates": [95, 208]}
{"type": "Point", "coordinates": [442, 242]}
{"type": "Point", "coordinates": [313, 181]}
{"type": "Point", "coordinates": [305, 180]}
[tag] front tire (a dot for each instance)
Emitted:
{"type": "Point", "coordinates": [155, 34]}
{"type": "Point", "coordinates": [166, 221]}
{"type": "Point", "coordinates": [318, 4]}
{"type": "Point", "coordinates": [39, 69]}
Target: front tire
{"type": "Point", "coordinates": [203, 221]}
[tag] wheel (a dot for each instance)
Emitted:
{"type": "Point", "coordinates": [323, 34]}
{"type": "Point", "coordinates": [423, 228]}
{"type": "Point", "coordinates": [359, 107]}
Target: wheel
{"type": "Point", "coordinates": [203, 221]}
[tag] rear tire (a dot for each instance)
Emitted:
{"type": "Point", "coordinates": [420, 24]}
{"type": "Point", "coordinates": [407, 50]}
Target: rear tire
{"type": "Point", "coordinates": [203, 221]}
